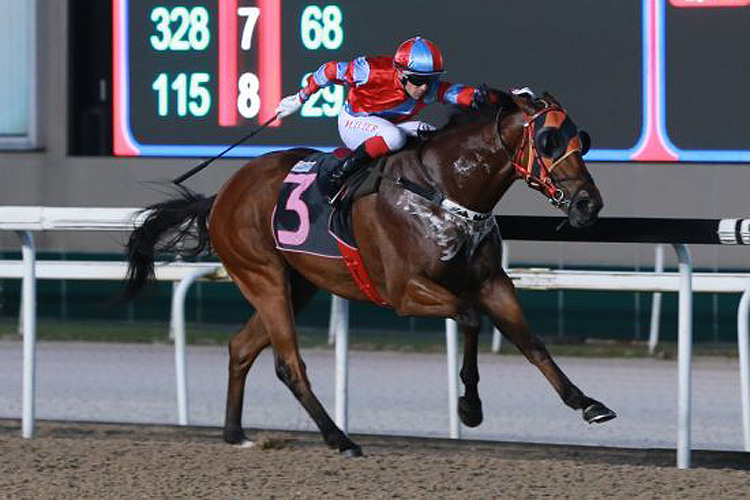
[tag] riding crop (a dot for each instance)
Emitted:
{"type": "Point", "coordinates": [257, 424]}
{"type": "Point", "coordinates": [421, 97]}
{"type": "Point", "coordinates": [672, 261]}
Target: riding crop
{"type": "Point", "coordinates": [205, 163]}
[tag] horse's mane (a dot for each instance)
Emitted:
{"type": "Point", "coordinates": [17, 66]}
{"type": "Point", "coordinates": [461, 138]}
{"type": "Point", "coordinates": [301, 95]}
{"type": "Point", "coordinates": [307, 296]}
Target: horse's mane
{"type": "Point", "coordinates": [489, 106]}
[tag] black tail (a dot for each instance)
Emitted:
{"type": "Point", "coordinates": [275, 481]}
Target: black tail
{"type": "Point", "coordinates": [176, 228]}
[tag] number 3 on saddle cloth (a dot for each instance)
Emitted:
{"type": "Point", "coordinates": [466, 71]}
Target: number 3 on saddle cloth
{"type": "Point", "coordinates": [303, 221]}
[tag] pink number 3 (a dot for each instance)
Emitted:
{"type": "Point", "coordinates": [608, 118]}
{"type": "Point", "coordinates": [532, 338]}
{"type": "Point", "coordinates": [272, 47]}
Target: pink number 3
{"type": "Point", "coordinates": [295, 204]}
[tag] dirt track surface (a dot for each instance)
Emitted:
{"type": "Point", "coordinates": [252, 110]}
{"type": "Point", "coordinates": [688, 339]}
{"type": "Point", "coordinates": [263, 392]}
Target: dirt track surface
{"type": "Point", "coordinates": [72, 460]}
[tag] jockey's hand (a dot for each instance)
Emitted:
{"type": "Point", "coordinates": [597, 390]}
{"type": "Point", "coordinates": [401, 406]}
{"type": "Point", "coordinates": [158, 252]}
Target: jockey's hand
{"type": "Point", "coordinates": [481, 96]}
{"type": "Point", "coordinates": [526, 91]}
{"type": "Point", "coordinates": [288, 106]}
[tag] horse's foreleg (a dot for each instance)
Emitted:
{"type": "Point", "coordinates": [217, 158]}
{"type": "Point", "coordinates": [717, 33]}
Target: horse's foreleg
{"type": "Point", "coordinates": [469, 405]}
{"type": "Point", "coordinates": [243, 349]}
{"type": "Point", "coordinates": [498, 297]}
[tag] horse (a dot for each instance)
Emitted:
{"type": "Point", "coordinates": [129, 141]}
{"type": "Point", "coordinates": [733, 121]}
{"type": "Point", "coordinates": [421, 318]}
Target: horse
{"type": "Point", "coordinates": [427, 237]}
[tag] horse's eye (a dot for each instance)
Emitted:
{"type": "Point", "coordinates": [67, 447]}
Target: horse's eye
{"type": "Point", "coordinates": [585, 141]}
{"type": "Point", "coordinates": [550, 142]}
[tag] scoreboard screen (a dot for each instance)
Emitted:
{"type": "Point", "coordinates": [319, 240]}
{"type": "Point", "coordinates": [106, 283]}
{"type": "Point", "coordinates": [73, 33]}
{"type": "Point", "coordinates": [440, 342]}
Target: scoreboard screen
{"type": "Point", "coordinates": [190, 77]}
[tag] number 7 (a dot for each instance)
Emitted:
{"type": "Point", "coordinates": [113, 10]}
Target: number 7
{"type": "Point", "coordinates": [252, 14]}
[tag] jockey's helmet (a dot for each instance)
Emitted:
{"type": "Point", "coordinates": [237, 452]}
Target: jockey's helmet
{"type": "Point", "coordinates": [419, 56]}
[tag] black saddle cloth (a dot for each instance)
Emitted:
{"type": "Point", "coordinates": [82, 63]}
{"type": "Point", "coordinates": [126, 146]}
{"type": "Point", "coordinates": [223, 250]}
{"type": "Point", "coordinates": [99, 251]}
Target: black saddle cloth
{"type": "Point", "coordinates": [303, 221]}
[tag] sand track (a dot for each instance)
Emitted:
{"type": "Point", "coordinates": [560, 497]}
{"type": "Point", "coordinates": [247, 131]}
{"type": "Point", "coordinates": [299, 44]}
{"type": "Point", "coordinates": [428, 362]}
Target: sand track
{"type": "Point", "coordinates": [68, 459]}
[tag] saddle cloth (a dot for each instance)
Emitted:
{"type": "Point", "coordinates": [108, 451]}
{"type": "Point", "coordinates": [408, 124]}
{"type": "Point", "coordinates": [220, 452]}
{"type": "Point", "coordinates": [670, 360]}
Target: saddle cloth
{"type": "Point", "coordinates": [302, 215]}
{"type": "Point", "coordinates": [303, 221]}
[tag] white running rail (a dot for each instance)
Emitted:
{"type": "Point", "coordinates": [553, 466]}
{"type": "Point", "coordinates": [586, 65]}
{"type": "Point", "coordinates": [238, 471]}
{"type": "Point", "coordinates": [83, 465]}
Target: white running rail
{"type": "Point", "coordinates": [25, 221]}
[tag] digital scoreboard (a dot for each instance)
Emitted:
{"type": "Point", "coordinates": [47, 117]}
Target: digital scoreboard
{"type": "Point", "coordinates": [190, 77]}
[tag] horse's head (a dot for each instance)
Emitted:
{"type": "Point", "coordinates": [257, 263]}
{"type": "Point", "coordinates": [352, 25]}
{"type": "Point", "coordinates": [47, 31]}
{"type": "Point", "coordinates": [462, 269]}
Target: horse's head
{"type": "Point", "coordinates": [549, 157]}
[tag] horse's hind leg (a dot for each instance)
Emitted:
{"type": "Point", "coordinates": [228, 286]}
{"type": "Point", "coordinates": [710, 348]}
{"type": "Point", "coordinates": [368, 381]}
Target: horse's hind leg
{"type": "Point", "coordinates": [469, 405]}
{"type": "Point", "coordinates": [243, 350]}
{"type": "Point", "coordinates": [270, 293]}
{"type": "Point", "coordinates": [499, 299]}
{"type": "Point", "coordinates": [291, 370]}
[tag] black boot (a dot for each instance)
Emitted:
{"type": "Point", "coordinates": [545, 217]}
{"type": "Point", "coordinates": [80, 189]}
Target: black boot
{"type": "Point", "coordinates": [348, 167]}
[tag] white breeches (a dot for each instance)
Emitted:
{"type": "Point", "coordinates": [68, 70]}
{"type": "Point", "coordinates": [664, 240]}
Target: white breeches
{"type": "Point", "coordinates": [355, 130]}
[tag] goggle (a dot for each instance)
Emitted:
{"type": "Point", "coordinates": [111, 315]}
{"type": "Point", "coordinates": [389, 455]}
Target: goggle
{"type": "Point", "coordinates": [419, 80]}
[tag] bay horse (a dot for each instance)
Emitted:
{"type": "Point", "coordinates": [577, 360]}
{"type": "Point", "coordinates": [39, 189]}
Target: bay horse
{"type": "Point", "coordinates": [428, 239]}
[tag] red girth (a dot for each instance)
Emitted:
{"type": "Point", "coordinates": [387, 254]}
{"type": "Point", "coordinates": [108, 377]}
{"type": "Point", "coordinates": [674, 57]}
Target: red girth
{"type": "Point", "coordinates": [353, 261]}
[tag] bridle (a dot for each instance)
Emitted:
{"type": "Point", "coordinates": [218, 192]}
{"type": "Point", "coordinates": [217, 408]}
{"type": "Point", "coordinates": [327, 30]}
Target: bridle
{"type": "Point", "coordinates": [537, 170]}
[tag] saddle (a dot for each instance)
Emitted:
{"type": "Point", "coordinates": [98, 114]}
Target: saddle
{"type": "Point", "coordinates": [303, 221]}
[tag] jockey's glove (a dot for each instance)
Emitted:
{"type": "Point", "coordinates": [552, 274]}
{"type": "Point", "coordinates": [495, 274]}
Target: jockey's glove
{"type": "Point", "coordinates": [526, 91]}
{"type": "Point", "coordinates": [288, 106]}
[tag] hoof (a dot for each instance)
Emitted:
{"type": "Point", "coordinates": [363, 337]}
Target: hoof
{"type": "Point", "coordinates": [237, 437]}
{"type": "Point", "coordinates": [470, 412]}
{"type": "Point", "coordinates": [352, 452]}
{"type": "Point", "coordinates": [244, 444]}
{"type": "Point", "coordinates": [597, 413]}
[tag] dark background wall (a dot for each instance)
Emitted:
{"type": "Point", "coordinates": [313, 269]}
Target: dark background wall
{"type": "Point", "coordinates": [587, 69]}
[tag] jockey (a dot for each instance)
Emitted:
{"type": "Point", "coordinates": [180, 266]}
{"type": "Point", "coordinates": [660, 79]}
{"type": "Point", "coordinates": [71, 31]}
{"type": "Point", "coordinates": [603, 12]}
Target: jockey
{"type": "Point", "coordinates": [384, 94]}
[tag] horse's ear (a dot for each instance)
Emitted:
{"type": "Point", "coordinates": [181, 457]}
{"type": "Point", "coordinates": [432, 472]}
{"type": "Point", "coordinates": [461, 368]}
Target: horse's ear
{"type": "Point", "coordinates": [585, 141]}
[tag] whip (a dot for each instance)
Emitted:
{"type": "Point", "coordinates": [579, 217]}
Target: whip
{"type": "Point", "coordinates": [205, 163]}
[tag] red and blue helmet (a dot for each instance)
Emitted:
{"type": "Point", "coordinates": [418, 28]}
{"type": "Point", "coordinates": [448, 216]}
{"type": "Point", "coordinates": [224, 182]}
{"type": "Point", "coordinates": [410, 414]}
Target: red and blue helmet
{"type": "Point", "coordinates": [419, 56]}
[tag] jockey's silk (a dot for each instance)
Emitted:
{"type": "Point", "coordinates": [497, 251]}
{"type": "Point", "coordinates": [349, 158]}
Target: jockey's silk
{"type": "Point", "coordinates": [374, 89]}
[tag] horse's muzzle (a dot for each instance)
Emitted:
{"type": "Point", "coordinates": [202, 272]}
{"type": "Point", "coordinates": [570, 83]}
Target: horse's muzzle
{"type": "Point", "coordinates": [585, 206]}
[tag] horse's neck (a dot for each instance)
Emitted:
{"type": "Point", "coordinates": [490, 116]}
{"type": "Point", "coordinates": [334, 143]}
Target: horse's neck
{"type": "Point", "coordinates": [470, 166]}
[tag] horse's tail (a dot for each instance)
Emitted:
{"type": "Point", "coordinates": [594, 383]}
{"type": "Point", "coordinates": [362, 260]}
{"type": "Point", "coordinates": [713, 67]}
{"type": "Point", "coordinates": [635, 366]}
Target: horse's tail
{"type": "Point", "coordinates": [176, 228]}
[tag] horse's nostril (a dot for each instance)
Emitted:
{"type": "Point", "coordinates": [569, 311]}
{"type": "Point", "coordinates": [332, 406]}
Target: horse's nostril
{"type": "Point", "coordinates": [584, 206]}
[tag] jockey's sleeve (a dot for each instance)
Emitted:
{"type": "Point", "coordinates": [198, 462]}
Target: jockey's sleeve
{"type": "Point", "coordinates": [354, 72]}
{"type": "Point", "coordinates": [450, 93]}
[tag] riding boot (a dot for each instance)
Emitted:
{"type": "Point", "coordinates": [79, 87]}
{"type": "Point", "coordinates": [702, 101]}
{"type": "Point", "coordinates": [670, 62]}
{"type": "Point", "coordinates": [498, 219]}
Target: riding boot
{"type": "Point", "coordinates": [348, 167]}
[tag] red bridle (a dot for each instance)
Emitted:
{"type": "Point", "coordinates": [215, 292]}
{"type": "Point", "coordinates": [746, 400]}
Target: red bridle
{"type": "Point", "coordinates": [538, 170]}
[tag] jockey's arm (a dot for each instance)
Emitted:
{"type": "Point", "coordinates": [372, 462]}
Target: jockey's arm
{"type": "Point", "coordinates": [335, 72]}
{"type": "Point", "coordinates": [466, 95]}
{"type": "Point", "coordinates": [342, 72]}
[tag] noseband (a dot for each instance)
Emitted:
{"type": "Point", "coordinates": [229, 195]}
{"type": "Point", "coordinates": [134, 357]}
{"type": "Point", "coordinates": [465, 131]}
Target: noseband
{"type": "Point", "coordinates": [536, 173]}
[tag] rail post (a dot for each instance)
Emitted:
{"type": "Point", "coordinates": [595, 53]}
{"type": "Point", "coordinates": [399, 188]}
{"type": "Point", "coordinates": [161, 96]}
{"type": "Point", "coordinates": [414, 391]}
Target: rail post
{"type": "Point", "coordinates": [497, 337]}
{"type": "Point", "coordinates": [653, 337]}
{"type": "Point", "coordinates": [340, 326]}
{"type": "Point", "coordinates": [177, 328]}
{"type": "Point", "coordinates": [743, 346]}
{"type": "Point", "coordinates": [451, 343]}
{"type": "Point", "coordinates": [28, 314]}
{"type": "Point", "coordinates": [684, 354]}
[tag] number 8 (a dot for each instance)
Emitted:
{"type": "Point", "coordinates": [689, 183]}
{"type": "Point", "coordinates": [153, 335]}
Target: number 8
{"type": "Point", "coordinates": [248, 100]}
{"type": "Point", "coordinates": [333, 35]}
